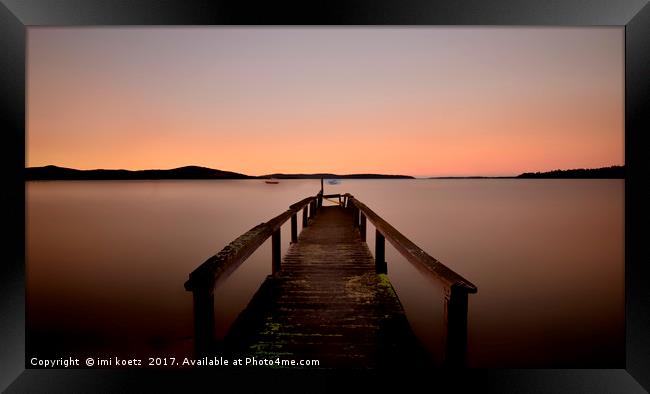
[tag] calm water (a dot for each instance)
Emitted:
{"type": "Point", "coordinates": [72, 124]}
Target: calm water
{"type": "Point", "coordinates": [106, 262]}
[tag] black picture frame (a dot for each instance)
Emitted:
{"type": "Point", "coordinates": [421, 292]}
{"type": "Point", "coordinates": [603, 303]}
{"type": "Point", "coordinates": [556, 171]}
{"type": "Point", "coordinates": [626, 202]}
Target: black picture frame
{"type": "Point", "coordinates": [17, 15]}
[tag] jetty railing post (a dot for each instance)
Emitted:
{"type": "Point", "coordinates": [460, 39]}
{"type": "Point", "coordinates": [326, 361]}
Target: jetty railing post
{"type": "Point", "coordinates": [456, 326]}
{"type": "Point", "coordinates": [204, 338]}
{"type": "Point", "coordinates": [362, 227]}
{"type": "Point", "coordinates": [355, 216]}
{"type": "Point", "coordinates": [294, 228]}
{"type": "Point", "coordinates": [304, 217]}
{"type": "Point", "coordinates": [380, 253]}
{"type": "Point", "coordinates": [312, 209]}
{"type": "Point", "coordinates": [275, 252]}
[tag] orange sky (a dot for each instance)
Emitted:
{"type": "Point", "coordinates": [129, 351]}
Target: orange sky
{"type": "Point", "coordinates": [413, 101]}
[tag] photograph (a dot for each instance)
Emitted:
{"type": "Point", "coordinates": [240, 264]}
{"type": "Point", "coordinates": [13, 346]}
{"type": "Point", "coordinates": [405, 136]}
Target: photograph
{"type": "Point", "coordinates": [245, 198]}
{"type": "Point", "coordinates": [373, 196]}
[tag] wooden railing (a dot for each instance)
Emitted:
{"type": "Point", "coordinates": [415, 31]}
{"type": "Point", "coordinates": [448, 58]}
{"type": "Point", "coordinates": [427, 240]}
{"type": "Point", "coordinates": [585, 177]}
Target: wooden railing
{"type": "Point", "coordinates": [456, 287]}
{"type": "Point", "coordinates": [217, 268]}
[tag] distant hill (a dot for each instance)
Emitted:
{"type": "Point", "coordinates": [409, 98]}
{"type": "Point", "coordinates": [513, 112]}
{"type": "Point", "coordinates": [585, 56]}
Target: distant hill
{"type": "Point", "coordinates": [189, 172]}
{"type": "Point", "coordinates": [336, 176]}
{"type": "Point", "coordinates": [613, 172]}
{"type": "Point", "coordinates": [51, 173]}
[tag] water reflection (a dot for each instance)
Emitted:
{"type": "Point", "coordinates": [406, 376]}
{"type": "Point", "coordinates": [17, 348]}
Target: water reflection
{"type": "Point", "coordinates": [106, 262]}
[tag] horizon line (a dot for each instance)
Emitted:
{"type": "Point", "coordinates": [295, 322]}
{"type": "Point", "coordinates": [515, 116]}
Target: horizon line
{"type": "Point", "coordinates": [333, 173]}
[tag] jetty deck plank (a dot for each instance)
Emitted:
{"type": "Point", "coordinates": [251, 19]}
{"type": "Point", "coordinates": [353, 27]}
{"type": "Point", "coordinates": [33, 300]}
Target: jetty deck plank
{"type": "Point", "coordinates": [327, 303]}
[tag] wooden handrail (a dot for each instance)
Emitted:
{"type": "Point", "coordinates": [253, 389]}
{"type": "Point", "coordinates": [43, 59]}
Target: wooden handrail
{"type": "Point", "coordinates": [456, 288]}
{"type": "Point", "coordinates": [300, 204]}
{"type": "Point", "coordinates": [218, 267]}
{"type": "Point", "coordinates": [221, 265]}
{"type": "Point", "coordinates": [418, 257]}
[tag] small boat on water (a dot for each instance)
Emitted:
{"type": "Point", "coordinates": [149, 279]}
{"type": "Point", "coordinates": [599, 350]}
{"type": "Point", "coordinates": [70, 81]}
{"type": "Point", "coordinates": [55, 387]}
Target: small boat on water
{"type": "Point", "coordinates": [333, 181]}
{"type": "Point", "coordinates": [272, 181]}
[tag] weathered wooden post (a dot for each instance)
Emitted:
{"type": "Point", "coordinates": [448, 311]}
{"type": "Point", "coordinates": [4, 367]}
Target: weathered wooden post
{"type": "Point", "coordinates": [456, 326]}
{"type": "Point", "coordinates": [312, 209]}
{"type": "Point", "coordinates": [355, 216]}
{"type": "Point", "coordinates": [276, 256]}
{"type": "Point", "coordinates": [349, 204]}
{"type": "Point", "coordinates": [362, 227]}
{"type": "Point", "coordinates": [304, 217]}
{"type": "Point", "coordinates": [204, 338]}
{"type": "Point", "coordinates": [380, 253]}
{"type": "Point", "coordinates": [294, 228]}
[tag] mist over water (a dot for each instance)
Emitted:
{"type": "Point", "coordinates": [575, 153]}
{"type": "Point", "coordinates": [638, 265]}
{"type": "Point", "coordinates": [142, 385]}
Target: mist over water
{"type": "Point", "coordinates": [106, 262]}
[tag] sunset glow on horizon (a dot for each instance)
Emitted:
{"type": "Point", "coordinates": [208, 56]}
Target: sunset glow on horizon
{"type": "Point", "coordinates": [413, 101]}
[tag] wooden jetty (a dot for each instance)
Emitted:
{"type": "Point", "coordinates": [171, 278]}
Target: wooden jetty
{"type": "Point", "coordinates": [328, 299]}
